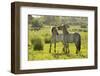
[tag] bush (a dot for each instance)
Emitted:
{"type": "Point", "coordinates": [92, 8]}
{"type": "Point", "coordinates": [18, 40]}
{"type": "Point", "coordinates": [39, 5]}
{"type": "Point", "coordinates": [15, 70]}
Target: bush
{"type": "Point", "coordinates": [80, 30]}
{"type": "Point", "coordinates": [83, 26]}
{"type": "Point", "coordinates": [47, 39]}
{"type": "Point", "coordinates": [37, 43]}
{"type": "Point", "coordinates": [85, 30]}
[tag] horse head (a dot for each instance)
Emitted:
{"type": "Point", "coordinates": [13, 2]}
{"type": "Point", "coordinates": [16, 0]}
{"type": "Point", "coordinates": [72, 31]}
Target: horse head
{"type": "Point", "coordinates": [64, 27]}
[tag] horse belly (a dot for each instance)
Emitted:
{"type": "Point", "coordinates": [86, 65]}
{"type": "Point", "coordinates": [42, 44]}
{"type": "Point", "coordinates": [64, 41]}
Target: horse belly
{"type": "Point", "coordinates": [59, 37]}
{"type": "Point", "coordinates": [70, 38]}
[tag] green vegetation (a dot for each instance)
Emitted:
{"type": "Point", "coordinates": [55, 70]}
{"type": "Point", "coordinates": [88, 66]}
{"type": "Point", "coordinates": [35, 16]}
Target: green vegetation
{"type": "Point", "coordinates": [41, 50]}
{"type": "Point", "coordinates": [39, 39]}
{"type": "Point", "coordinates": [37, 43]}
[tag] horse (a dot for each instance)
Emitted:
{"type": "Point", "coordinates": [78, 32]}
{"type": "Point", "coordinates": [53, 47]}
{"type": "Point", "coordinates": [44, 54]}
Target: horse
{"type": "Point", "coordinates": [56, 37]}
{"type": "Point", "coordinates": [70, 38]}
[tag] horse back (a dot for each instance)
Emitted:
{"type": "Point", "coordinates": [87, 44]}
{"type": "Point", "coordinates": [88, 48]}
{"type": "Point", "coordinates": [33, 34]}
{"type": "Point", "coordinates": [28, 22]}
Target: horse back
{"type": "Point", "coordinates": [71, 37]}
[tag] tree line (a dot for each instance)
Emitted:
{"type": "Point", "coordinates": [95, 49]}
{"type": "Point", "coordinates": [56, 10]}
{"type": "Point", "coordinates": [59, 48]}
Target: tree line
{"type": "Point", "coordinates": [36, 20]}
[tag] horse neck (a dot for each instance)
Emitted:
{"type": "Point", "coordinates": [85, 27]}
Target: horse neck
{"type": "Point", "coordinates": [65, 31]}
{"type": "Point", "coordinates": [55, 32]}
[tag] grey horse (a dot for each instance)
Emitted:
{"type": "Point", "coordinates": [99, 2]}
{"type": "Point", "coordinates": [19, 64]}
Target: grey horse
{"type": "Point", "coordinates": [56, 37]}
{"type": "Point", "coordinates": [70, 38]}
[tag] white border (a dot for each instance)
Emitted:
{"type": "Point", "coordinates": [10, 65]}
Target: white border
{"type": "Point", "coordinates": [25, 64]}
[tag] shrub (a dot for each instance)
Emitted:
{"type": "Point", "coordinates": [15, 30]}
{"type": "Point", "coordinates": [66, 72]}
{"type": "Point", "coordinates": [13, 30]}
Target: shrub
{"type": "Point", "coordinates": [47, 39]}
{"type": "Point", "coordinates": [83, 26]}
{"type": "Point", "coordinates": [80, 30]}
{"type": "Point", "coordinates": [37, 43]}
{"type": "Point", "coordinates": [85, 30]}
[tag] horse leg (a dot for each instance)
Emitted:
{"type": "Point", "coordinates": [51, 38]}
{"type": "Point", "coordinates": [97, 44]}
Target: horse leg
{"type": "Point", "coordinates": [65, 48]}
{"type": "Point", "coordinates": [55, 47]}
{"type": "Point", "coordinates": [50, 46]}
{"type": "Point", "coordinates": [68, 51]}
{"type": "Point", "coordinates": [76, 48]}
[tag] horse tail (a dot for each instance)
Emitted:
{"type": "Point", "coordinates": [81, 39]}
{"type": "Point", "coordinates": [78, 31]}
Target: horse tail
{"type": "Point", "coordinates": [79, 43]}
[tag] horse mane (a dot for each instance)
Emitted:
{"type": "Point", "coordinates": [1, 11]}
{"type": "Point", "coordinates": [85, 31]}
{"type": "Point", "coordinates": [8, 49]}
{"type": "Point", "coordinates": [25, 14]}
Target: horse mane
{"type": "Point", "coordinates": [65, 29]}
{"type": "Point", "coordinates": [54, 30]}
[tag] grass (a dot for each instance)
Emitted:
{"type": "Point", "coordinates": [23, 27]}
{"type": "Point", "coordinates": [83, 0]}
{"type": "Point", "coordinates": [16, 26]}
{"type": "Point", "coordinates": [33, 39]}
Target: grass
{"type": "Point", "coordinates": [45, 55]}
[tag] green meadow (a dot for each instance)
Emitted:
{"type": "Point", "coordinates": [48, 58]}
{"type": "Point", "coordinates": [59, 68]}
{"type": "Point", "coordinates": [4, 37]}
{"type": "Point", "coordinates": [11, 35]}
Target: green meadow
{"type": "Point", "coordinates": [39, 44]}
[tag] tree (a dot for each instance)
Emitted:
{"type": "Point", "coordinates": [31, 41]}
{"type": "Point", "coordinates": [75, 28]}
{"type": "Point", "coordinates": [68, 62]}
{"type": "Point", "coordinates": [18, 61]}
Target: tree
{"type": "Point", "coordinates": [35, 23]}
{"type": "Point", "coordinates": [52, 20]}
{"type": "Point", "coordinates": [30, 19]}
